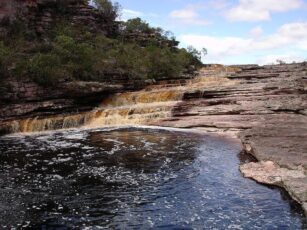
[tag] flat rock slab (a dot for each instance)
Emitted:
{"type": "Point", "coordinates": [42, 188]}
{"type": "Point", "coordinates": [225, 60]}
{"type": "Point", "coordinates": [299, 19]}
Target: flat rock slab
{"type": "Point", "coordinates": [268, 172]}
{"type": "Point", "coordinates": [267, 105]}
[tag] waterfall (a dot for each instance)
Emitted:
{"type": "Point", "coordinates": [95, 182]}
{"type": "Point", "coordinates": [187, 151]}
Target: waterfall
{"type": "Point", "coordinates": [129, 108]}
{"type": "Point", "coordinates": [120, 109]}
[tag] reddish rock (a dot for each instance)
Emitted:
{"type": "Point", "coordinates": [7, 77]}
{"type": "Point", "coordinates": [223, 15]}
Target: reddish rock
{"type": "Point", "coordinates": [40, 15]}
{"type": "Point", "coordinates": [266, 106]}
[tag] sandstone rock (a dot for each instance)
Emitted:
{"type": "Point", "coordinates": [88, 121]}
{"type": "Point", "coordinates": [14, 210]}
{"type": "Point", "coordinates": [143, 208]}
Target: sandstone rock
{"type": "Point", "coordinates": [268, 106]}
{"type": "Point", "coordinates": [268, 172]}
{"type": "Point", "coordinates": [297, 188]}
{"type": "Point", "coordinates": [80, 88]}
{"type": "Point", "coordinates": [294, 181]}
{"type": "Point", "coordinates": [305, 208]}
{"type": "Point", "coordinates": [40, 15]}
{"type": "Point", "coordinates": [30, 100]}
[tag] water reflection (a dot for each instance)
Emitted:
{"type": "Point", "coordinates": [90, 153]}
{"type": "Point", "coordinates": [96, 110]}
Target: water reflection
{"type": "Point", "coordinates": [133, 179]}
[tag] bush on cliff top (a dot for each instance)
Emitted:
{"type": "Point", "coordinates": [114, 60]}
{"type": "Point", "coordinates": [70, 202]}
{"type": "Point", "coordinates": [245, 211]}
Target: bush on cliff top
{"type": "Point", "coordinates": [107, 8]}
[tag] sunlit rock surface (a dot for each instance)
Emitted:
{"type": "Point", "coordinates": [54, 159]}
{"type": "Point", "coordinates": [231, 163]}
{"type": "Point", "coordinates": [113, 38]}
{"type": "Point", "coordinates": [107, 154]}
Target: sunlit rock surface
{"type": "Point", "coordinates": [266, 107]}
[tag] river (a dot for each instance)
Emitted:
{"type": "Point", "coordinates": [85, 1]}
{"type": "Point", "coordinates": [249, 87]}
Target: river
{"type": "Point", "coordinates": [134, 178]}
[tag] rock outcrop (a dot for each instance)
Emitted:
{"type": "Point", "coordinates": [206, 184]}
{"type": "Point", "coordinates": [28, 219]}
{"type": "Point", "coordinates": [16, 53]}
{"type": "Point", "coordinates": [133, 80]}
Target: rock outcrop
{"type": "Point", "coordinates": [41, 15]}
{"type": "Point", "coordinates": [266, 107]}
{"type": "Point", "coordinates": [23, 99]}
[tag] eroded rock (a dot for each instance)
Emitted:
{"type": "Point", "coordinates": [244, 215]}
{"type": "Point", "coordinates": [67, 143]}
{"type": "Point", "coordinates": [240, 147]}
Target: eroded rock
{"type": "Point", "coordinates": [268, 172]}
{"type": "Point", "coordinates": [41, 15]}
{"type": "Point", "coordinates": [267, 106]}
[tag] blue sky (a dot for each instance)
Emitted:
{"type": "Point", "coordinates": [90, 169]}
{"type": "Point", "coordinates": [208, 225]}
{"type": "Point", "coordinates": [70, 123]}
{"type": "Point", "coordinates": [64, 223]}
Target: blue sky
{"type": "Point", "coordinates": [233, 31]}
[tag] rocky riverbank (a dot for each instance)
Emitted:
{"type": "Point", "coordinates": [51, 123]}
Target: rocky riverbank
{"type": "Point", "coordinates": [266, 108]}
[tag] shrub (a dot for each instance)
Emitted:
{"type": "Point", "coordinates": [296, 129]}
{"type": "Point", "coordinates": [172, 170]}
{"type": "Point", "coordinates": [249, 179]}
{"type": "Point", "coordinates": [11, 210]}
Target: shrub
{"type": "Point", "coordinates": [137, 25]}
{"type": "Point", "coordinates": [4, 53]}
{"type": "Point", "coordinates": [70, 53]}
{"type": "Point", "coordinates": [46, 69]}
{"type": "Point", "coordinates": [107, 8]}
{"type": "Point", "coordinates": [162, 63]}
{"type": "Point", "coordinates": [66, 59]}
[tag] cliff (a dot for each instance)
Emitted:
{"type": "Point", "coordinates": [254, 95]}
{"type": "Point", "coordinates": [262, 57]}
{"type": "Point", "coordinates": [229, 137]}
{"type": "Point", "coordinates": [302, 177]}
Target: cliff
{"type": "Point", "coordinates": [266, 107]}
{"type": "Point", "coordinates": [65, 57]}
{"type": "Point", "coordinates": [41, 15]}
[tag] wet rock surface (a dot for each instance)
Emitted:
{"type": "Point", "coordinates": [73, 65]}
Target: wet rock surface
{"type": "Point", "coordinates": [265, 106]}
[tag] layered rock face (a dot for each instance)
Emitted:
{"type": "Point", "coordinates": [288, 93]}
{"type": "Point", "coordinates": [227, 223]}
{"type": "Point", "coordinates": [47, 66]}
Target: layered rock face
{"type": "Point", "coordinates": [267, 108]}
{"type": "Point", "coordinates": [8, 9]}
{"type": "Point", "coordinates": [24, 98]}
{"type": "Point", "coordinates": [40, 15]}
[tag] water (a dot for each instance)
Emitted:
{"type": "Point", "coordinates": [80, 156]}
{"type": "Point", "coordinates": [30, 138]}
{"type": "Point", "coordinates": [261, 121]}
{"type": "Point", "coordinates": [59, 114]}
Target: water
{"type": "Point", "coordinates": [133, 179]}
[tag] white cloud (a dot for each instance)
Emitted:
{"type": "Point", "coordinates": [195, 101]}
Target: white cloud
{"type": "Point", "coordinates": [218, 4]}
{"type": "Point", "coordinates": [256, 31]}
{"type": "Point", "coordinates": [275, 58]}
{"type": "Point", "coordinates": [260, 10]}
{"type": "Point", "coordinates": [288, 36]}
{"type": "Point", "coordinates": [218, 47]}
{"type": "Point", "coordinates": [184, 14]}
{"type": "Point", "coordinates": [128, 14]}
{"type": "Point", "coordinates": [189, 15]}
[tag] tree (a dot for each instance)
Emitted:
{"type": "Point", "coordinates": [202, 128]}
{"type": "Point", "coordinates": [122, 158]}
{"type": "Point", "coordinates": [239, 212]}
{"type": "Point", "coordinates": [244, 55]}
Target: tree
{"type": "Point", "coordinates": [204, 51]}
{"type": "Point", "coordinates": [280, 62]}
{"type": "Point", "coordinates": [69, 52]}
{"type": "Point", "coordinates": [137, 25]}
{"type": "Point", "coordinates": [108, 9]}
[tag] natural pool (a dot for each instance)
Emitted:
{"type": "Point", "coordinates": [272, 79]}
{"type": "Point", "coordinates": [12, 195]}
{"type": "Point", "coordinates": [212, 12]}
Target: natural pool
{"type": "Point", "coordinates": [133, 178]}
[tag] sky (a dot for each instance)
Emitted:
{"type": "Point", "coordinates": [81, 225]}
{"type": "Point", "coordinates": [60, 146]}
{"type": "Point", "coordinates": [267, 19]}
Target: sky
{"type": "Point", "coordinates": [233, 31]}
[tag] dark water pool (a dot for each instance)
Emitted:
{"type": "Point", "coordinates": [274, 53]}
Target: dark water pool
{"type": "Point", "coordinates": [133, 179]}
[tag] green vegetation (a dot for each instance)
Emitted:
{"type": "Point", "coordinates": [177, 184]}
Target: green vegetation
{"type": "Point", "coordinates": [68, 53]}
{"type": "Point", "coordinates": [108, 8]}
{"type": "Point", "coordinates": [137, 25]}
